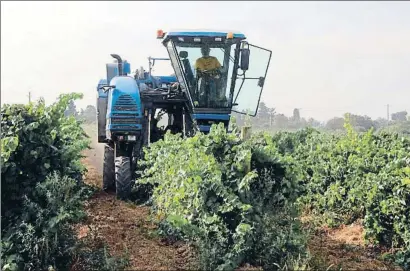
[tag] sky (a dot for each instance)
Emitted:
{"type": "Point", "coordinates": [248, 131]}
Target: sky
{"type": "Point", "coordinates": [328, 58]}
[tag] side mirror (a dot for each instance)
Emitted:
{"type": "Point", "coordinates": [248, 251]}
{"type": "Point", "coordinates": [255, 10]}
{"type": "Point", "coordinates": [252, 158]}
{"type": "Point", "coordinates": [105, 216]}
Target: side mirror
{"type": "Point", "coordinates": [245, 59]}
{"type": "Point", "coordinates": [183, 54]}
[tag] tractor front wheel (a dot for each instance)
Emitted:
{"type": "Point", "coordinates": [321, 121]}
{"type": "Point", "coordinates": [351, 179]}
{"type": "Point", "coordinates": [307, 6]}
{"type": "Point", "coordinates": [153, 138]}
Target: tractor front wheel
{"type": "Point", "coordinates": [123, 177]}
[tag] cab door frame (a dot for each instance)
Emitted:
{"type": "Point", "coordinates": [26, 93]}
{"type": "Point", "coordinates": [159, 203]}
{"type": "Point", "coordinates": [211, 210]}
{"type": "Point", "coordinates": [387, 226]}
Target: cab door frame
{"type": "Point", "coordinates": [261, 82]}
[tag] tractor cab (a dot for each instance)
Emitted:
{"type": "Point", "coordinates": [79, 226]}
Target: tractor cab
{"type": "Point", "coordinates": [220, 72]}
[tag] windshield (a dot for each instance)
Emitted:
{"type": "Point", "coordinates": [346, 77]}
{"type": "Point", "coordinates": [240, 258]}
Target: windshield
{"type": "Point", "coordinates": [207, 69]}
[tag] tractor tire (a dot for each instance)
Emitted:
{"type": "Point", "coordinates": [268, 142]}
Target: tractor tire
{"type": "Point", "coordinates": [123, 177]}
{"type": "Point", "coordinates": [108, 169]}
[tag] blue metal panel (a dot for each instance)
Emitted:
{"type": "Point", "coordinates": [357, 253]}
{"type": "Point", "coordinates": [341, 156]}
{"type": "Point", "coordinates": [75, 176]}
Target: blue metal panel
{"type": "Point", "coordinates": [113, 127]}
{"type": "Point", "coordinates": [203, 34]}
{"type": "Point", "coordinates": [126, 114]}
{"type": "Point", "coordinates": [126, 67]}
{"type": "Point", "coordinates": [145, 81]}
{"type": "Point", "coordinates": [204, 128]}
{"type": "Point", "coordinates": [125, 85]}
{"type": "Point", "coordinates": [167, 79]}
{"type": "Point", "coordinates": [112, 71]}
{"type": "Point", "coordinates": [212, 116]}
{"type": "Point", "coordinates": [159, 80]}
{"type": "Point", "coordinates": [125, 96]}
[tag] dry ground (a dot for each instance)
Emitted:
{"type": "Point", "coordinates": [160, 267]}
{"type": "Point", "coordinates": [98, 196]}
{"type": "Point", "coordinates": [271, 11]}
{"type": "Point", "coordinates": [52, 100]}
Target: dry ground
{"type": "Point", "coordinates": [344, 248]}
{"type": "Point", "coordinates": [125, 227]}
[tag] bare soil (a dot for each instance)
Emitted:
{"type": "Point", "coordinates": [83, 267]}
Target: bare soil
{"type": "Point", "coordinates": [125, 227]}
{"type": "Point", "coordinates": [344, 248]}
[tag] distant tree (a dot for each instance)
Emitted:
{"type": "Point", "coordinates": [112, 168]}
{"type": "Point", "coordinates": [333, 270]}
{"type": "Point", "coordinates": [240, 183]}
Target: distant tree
{"type": "Point", "coordinates": [71, 110]}
{"type": "Point", "coordinates": [302, 123]}
{"type": "Point", "coordinates": [295, 122]}
{"type": "Point", "coordinates": [362, 123]}
{"type": "Point", "coordinates": [380, 123]}
{"type": "Point", "coordinates": [272, 113]}
{"type": "Point", "coordinates": [88, 115]}
{"type": "Point", "coordinates": [264, 116]}
{"type": "Point", "coordinates": [296, 115]}
{"type": "Point", "coordinates": [400, 127]}
{"type": "Point", "coordinates": [263, 110]}
{"type": "Point", "coordinates": [336, 123]}
{"type": "Point", "coordinates": [263, 113]}
{"type": "Point", "coordinates": [313, 123]}
{"type": "Point", "coordinates": [399, 116]}
{"type": "Point", "coordinates": [240, 119]}
{"type": "Point", "coordinates": [281, 121]}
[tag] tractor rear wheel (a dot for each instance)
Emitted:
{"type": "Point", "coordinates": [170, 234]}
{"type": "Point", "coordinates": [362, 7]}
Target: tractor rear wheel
{"type": "Point", "coordinates": [108, 169]}
{"type": "Point", "coordinates": [123, 177]}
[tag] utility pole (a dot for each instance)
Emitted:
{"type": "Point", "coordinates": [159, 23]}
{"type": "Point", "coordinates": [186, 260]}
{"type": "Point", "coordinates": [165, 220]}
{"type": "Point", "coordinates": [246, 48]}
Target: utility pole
{"type": "Point", "coordinates": [29, 97]}
{"type": "Point", "coordinates": [388, 114]}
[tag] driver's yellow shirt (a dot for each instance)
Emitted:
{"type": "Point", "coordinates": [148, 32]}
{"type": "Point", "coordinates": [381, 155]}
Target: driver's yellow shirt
{"type": "Point", "coordinates": [207, 63]}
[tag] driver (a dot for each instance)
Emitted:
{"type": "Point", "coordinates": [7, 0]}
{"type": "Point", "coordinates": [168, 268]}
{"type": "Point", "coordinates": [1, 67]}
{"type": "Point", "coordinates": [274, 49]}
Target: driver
{"type": "Point", "coordinates": [207, 62]}
{"type": "Point", "coordinates": [210, 64]}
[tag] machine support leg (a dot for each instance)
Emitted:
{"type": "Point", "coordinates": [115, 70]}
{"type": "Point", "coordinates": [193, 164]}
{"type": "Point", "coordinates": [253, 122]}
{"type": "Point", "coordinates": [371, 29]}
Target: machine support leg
{"type": "Point", "coordinates": [149, 127]}
{"type": "Point", "coordinates": [183, 123]}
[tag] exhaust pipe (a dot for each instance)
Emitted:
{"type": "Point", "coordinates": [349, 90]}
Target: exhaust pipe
{"type": "Point", "coordinates": [119, 59]}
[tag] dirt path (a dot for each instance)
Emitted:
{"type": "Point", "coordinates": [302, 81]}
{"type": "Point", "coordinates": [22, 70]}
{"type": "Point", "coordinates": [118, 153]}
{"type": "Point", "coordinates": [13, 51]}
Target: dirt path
{"type": "Point", "coordinates": [125, 227]}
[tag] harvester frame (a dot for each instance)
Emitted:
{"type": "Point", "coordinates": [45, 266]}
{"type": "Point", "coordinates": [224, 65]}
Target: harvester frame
{"type": "Point", "coordinates": [129, 107]}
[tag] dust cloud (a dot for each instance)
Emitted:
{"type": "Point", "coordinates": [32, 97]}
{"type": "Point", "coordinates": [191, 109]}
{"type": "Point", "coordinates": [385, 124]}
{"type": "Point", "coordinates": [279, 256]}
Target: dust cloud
{"type": "Point", "coordinates": [96, 154]}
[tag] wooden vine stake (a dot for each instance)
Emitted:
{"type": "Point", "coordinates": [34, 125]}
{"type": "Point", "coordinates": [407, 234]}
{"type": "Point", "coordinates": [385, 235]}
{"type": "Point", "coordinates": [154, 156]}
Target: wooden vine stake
{"type": "Point", "coordinates": [246, 132]}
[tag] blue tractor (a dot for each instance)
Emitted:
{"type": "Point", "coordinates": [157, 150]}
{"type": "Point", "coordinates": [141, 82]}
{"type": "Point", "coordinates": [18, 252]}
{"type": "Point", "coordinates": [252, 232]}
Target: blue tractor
{"type": "Point", "coordinates": [215, 74]}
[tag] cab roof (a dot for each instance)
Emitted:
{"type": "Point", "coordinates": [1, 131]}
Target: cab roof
{"type": "Point", "coordinates": [202, 33]}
